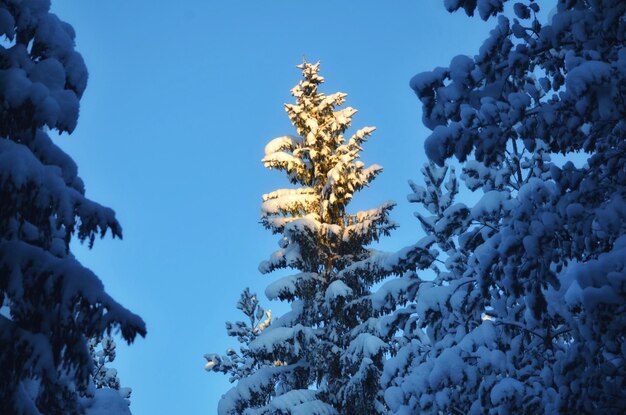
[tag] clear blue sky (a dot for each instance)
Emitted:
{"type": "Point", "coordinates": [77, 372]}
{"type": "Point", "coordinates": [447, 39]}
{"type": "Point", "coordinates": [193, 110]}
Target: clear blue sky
{"type": "Point", "coordinates": [182, 98]}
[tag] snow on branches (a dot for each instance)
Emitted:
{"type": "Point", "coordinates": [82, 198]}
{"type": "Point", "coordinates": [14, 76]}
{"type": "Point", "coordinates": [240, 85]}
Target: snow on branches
{"type": "Point", "coordinates": [51, 304]}
{"type": "Point", "coordinates": [528, 314]}
{"type": "Point", "coordinates": [326, 355]}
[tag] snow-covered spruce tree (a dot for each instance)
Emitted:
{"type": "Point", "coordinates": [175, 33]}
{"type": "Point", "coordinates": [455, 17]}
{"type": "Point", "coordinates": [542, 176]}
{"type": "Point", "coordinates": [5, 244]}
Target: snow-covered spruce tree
{"type": "Point", "coordinates": [51, 304]}
{"type": "Point", "coordinates": [550, 263]}
{"type": "Point", "coordinates": [243, 364]}
{"type": "Point", "coordinates": [326, 355]}
{"type": "Point", "coordinates": [105, 377]}
{"type": "Point", "coordinates": [450, 354]}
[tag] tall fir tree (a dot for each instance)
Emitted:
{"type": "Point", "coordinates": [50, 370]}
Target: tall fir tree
{"type": "Point", "coordinates": [51, 304]}
{"type": "Point", "coordinates": [326, 355]}
{"type": "Point", "coordinates": [545, 244]}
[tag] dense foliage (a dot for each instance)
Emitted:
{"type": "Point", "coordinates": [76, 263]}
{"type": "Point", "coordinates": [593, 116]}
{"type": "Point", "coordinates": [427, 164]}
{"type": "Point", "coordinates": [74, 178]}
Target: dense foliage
{"type": "Point", "coordinates": [514, 304]}
{"type": "Point", "coordinates": [51, 304]}
{"type": "Point", "coordinates": [326, 355]}
{"type": "Point", "coordinates": [529, 313]}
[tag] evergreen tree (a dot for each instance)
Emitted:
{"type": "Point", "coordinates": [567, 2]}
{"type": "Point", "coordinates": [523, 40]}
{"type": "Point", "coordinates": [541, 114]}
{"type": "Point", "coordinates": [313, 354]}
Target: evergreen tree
{"type": "Point", "coordinates": [243, 364]}
{"type": "Point", "coordinates": [449, 357]}
{"type": "Point", "coordinates": [102, 353]}
{"type": "Point", "coordinates": [326, 355]}
{"type": "Point", "coordinates": [542, 288]}
{"type": "Point", "coordinates": [51, 304]}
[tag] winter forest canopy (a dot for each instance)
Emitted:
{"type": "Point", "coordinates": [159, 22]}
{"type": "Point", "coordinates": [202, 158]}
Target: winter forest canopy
{"type": "Point", "coordinates": [506, 296]}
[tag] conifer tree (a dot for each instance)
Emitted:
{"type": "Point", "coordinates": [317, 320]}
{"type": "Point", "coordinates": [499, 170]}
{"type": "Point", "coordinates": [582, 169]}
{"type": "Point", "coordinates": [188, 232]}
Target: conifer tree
{"type": "Point", "coordinates": [448, 356]}
{"type": "Point", "coordinates": [545, 244]}
{"type": "Point", "coordinates": [241, 364]}
{"type": "Point", "coordinates": [51, 305]}
{"type": "Point", "coordinates": [105, 377]}
{"type": "Point", "coordinates": [326, 355]}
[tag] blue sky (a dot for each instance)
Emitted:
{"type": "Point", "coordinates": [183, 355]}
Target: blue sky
{"type": "Point", "coordinates": [181, 100]}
